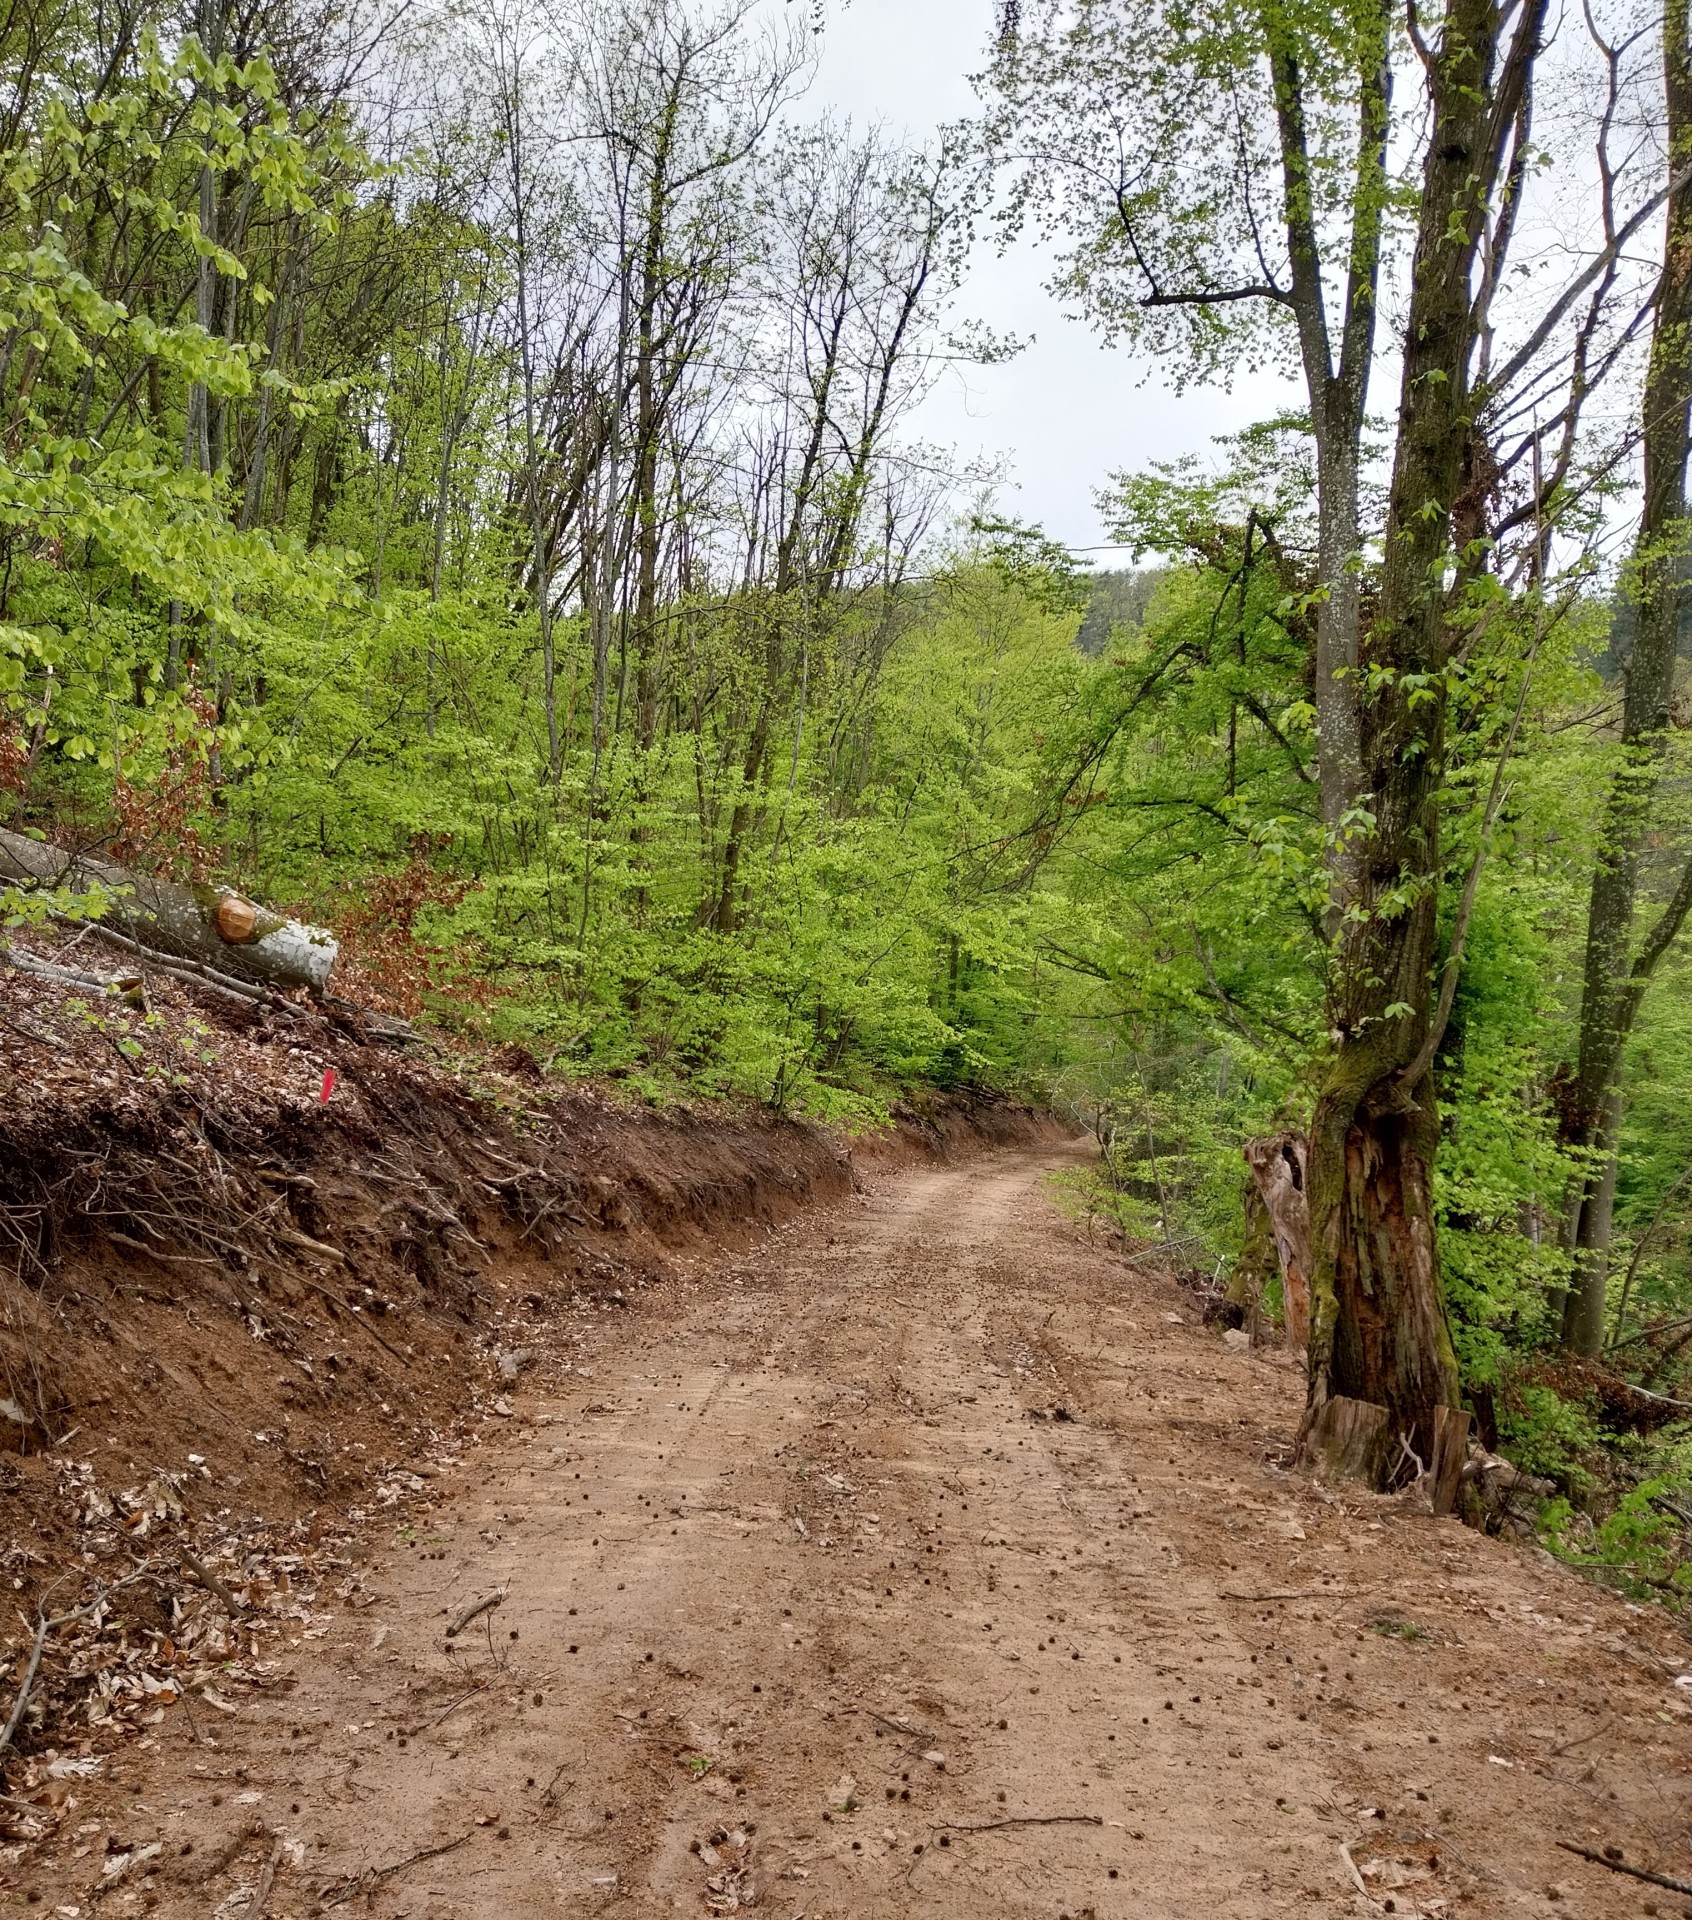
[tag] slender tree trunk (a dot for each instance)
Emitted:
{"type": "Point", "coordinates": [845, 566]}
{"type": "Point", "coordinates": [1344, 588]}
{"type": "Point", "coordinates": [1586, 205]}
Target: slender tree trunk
{"type": "Point", "coordinates": [209, 29]}
{"type": "Point", "coordinates": [252, 491]}
{"type": "Point", "coordinates": [512, 110]}
{"type": "Point", "coordinates": [196, 450]}
{"type": "Point", "coordinates": [1338, 402]}
{"type": "Point", "coordinates": [727, 916]}
{"type": "Point", "coordinates": [1611, 990]}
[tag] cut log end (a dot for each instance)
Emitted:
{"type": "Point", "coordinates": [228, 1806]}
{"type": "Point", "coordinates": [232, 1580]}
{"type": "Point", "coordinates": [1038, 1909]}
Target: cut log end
{"type": "Point", "coordinates": [237, 919]}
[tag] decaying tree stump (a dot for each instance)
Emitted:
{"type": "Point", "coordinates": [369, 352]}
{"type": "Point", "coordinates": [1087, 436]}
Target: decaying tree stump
{"type": "Point", "coordinates": [1349, 1440]}
{"type": "Point", "coordinates": [1256, 1262]}
{"type": "Point", "coordinates": [210, 925]}
{"type": "Point", "coordinates": [1277, 1164]}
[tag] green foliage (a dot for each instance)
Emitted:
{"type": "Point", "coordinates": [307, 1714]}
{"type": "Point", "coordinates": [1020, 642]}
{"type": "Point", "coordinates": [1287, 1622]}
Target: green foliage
{"type": "Point", "coordinates": [1640, 1547]}
{"type": "Point", "coordinates": [108, 537]}
{"type": "Point", "coordinates": [1544, 1433]}
{"type": "Point", "coordinates": [878, 942]}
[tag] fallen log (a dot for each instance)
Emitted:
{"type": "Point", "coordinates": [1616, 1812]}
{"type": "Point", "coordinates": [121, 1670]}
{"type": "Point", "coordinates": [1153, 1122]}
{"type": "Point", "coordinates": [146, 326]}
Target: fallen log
{"type": "Point", "coordinates": [209, 926]}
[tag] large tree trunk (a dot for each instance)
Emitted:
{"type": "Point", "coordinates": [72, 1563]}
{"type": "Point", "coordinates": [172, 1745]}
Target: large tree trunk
{"type": "Point", "coordinates": [208, 925]}
{"type": "Point", "coordinates": [1379, 1332]}
{"type": "Point", "coordinates": [1613, 985]}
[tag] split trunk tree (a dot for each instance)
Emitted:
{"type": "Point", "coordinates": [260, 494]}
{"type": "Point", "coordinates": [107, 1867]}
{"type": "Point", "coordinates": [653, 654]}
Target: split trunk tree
{"type": "Point", "coordinates": [1112, 94]}
{"type": "Point", "coordinates": [1379, 1331]}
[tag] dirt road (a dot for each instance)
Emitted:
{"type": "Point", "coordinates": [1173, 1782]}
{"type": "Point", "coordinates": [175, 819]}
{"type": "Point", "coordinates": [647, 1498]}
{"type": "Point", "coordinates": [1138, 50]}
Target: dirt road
{"type": "Point", "coordinates": [930, 1560]}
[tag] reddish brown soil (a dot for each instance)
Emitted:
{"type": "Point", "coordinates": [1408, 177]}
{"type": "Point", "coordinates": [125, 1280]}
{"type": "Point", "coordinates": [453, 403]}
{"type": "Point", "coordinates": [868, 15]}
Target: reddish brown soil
{"type": "Point", "coordinates": [921, 1559]}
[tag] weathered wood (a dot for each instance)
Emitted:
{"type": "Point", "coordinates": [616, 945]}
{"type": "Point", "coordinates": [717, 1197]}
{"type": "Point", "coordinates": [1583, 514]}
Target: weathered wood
{"type": "Point", "coordinates": [1350, 1440]}
{"type": "Point", "coordinates": [1278, 1165]}
{"type": "Point", "coordinates": [1256, 1261]}
{"type": "Point", "coordinates": [1451, 1451]}
{"type": "Point", "coordinates": [203, 924]}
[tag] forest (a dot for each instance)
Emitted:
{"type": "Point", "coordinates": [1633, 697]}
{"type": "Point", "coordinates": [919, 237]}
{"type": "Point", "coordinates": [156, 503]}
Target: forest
{"type": "Point", "coordinates": [460, 484]}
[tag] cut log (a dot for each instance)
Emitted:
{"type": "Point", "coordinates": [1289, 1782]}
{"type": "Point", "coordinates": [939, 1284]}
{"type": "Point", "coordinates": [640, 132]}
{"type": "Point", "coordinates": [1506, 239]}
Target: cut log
{"type": "Point", "coordinates": [1278, 1165]}
{"type": "Point", "coordinates": [208, 925]}
{"type": "Point", "coordinates": [1451, 1450]}
{"type": "Point", "coordinates": [1348, 1440]}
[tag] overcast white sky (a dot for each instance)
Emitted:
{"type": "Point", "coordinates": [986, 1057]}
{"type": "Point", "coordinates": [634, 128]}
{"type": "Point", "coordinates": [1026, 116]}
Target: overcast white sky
{"type": "Point", "coordinates": [1066, 412]}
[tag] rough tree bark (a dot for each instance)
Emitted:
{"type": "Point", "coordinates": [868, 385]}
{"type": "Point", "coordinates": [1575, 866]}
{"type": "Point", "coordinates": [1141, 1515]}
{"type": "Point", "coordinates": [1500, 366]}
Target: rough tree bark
{"type": "Point", "coordinates": [1379, 1332]}
{"type": "Point", "coordinates": [1256, 1262]}
{"type": "Point", "coordinates": [1614, 981]}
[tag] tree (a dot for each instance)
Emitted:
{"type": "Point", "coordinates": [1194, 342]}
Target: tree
{"type": "Point", "coordinates": [1226, 184]}
{"type": "Point", "coordinates": [1619, 965]}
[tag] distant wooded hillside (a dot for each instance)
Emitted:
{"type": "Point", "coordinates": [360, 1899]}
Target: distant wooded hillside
{"type": "Point", "coordinates": [1119, 599]}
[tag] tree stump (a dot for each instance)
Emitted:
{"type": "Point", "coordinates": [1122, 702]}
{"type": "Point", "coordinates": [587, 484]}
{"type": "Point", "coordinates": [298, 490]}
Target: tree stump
{"type": "Point", "coordinates": [1255, 1264]}
{"type": "Point", "coordinates": [1278, 1164]}
{"type": "Point", "coordinates": [1349, 1440]}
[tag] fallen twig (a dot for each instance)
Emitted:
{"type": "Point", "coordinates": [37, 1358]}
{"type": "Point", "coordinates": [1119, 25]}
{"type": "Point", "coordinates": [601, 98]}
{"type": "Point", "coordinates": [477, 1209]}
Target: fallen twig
{"type": "Point", "coordinates": [1022, 1820]}
{"type": "Point", "coordinates": [991, 1826]}
{"type": "Point", "coordinates": [29, 1032]}
{"type": "Point", "coordinates": [1298, 1593]}
{"type": "Point", "coordinates": [473, 1610]}
{"type": "Point", "coordinates": [266, 1880]}
{"type": "Point", "coordinates": [45, 1626]}
{"type": "Point", "coordinates": [373, 1877]}
{"type": "Point", "coordinates": [1568, 1746]}
{"type": "Point", "coordinates": [449, 1710]}
{"type": "Point", "coordinates": [1621, 1866]}
{"type": "Point", "coordinates": [26, 962]}
{"type": "Point", "coordinates": [193, 1564]}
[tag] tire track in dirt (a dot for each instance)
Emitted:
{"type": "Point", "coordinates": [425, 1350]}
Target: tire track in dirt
{"type": "Point", "coordinates": [931, 1496]}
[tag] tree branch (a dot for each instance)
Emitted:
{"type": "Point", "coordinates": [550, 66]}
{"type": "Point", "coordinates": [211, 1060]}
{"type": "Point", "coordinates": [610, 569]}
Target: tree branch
{"type": "Point", "coordinates": [1572, 292]}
